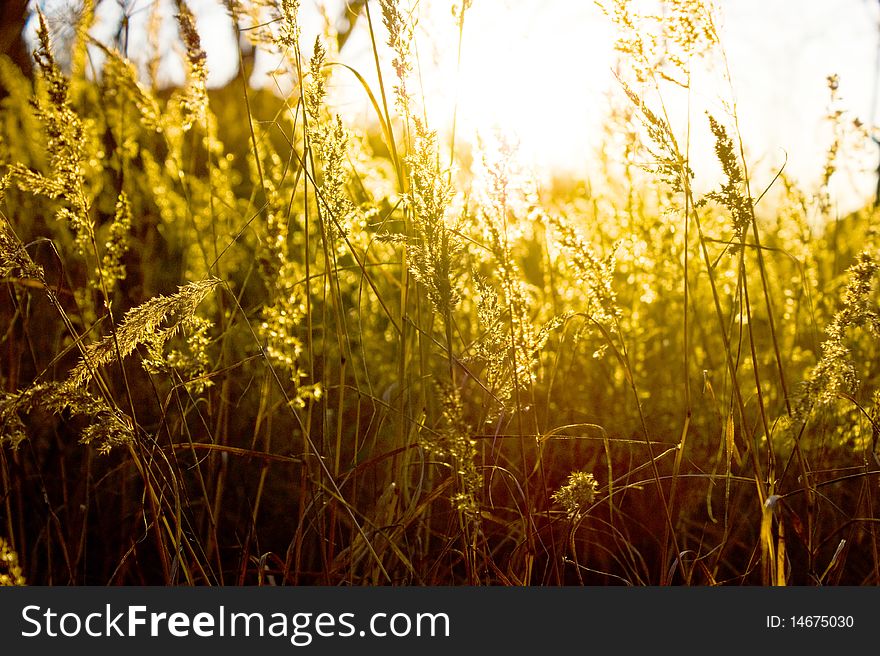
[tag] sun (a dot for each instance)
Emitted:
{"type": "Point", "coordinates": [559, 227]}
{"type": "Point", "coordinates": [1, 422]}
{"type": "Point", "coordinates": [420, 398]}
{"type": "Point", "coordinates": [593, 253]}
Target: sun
{"type": "Point", "coordinates": [537, 72]}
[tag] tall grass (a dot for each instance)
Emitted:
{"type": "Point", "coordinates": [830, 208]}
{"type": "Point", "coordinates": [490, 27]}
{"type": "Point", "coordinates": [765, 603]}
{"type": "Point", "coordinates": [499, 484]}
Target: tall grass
{"type": "Point", "coordinates": [247, 341]}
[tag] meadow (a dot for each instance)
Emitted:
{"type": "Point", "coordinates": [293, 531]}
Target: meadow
{"type": "Point", "coordinates": [246, 340]}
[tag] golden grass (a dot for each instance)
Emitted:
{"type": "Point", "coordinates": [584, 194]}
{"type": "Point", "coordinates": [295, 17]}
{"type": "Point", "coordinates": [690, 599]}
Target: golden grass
{"type": "Point", "coordinates": [249, 342]}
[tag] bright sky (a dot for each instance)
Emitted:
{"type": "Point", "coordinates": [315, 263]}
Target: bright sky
{"type": "Point", "coordinates": [539, 70]}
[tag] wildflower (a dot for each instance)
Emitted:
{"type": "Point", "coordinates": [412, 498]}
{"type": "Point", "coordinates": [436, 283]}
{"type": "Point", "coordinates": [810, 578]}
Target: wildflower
{"type": "Point", "coordinates": [14, 259]}
{"type": "Point", "coordinates": [316, 89]}
{"type": "Point", "coordinates": [120, 80]}
{"type": "Point", "coordinates": [731, 194]}
{"type": "Point", "coordinates": [107, 426]}
{"type": "Point", "coordinates": [10, 570]}
{"type": "Point", "coordinates": [333, 142]}
{"type": "Point", "coordinates": [400, 33]}
{"type": "Point", "coordinates": [452, 440]}
{"type": "Point", "coordinates": [191, 362]}
{"type": "Point", "coordinates": [835, 373]}
{"type": "Point", "coordinates": [434, 246]}
{"type": "Point", "coordinates": [289, 32]}
{"type": "Point", "coordinates": [577, 494]}
{"type": "Point", "coordinates": [116, 246]}
{"type": "Point", "coordinates": [194, 102]}
{"type": "Point", "coordinates": [662, 45]}
{"type": "Point", "coordinates": [156, 319]}
{"type": "Point", "coordinates": [595, 273]}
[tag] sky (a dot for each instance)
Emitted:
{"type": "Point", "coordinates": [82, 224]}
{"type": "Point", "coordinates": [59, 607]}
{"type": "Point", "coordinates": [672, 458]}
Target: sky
{"type": "Point", "coordinates": [540, 72]}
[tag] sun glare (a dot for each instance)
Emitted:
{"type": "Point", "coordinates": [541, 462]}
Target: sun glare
{"type": "Point", "coordinates": [536, 72]}
{"type": "Point", "coordinates": [540, 73]}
